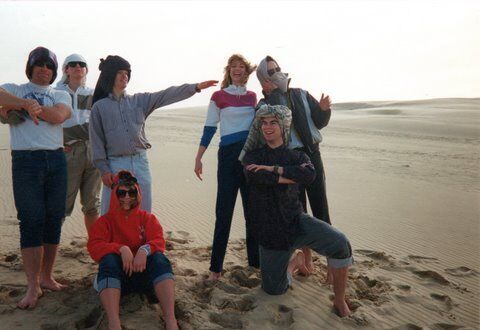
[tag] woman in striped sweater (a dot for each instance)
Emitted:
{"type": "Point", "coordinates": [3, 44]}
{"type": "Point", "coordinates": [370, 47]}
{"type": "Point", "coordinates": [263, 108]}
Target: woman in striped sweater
{"type": "Point", "coordinates": [233, 106]}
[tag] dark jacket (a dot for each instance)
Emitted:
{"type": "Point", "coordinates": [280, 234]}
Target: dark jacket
{"type": "Point", "coordinates": [272, 207]}
{"type": "Point", "coordinates": [299, 115]}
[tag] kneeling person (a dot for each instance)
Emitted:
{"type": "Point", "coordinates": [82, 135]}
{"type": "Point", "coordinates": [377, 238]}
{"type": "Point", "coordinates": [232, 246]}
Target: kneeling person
{"type": "Point", "coordinates": [273, 173]}
{"type": "Point", "coordinates": [128, 244]}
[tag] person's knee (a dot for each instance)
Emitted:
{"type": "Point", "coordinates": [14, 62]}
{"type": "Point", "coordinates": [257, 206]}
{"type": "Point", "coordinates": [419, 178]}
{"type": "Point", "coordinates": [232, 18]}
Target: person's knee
{"type": "Point", "coordinates": [273, 283]}
{"type": "Point", "coordinates": [110, 266]}
{"type": "Point", "coordinates": [274, 290]}
{"type": "Point", "coordinates": [342, 248]}
{"type": "Point", "coordinates": [31, 233]}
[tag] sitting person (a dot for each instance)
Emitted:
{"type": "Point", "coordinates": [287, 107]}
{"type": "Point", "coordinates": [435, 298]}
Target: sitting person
{"type": "Point", "coordinates": [273, 173]}
{"type": "Point", "coordinates": [128, 244]}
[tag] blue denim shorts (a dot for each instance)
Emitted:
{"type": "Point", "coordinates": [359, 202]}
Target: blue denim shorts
{"type": "Point", "coordinates": [40, 190]}
{"type": "Point", "coordinates": [111, 274]}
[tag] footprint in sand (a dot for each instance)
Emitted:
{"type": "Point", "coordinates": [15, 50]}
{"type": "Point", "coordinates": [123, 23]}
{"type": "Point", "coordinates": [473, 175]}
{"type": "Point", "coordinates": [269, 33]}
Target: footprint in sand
{"type": "Point", "coordinates": [445, 300]}
{"type": "Point", "coordinates": [445, 326]}
{"type": "Point", "coordinates": [185, 272]}
{"type": "Point", "coordinates": [281, 315]}
{"type": "Point", "coordinates": [380, 256]}
{"type": "Point", "coordinates": [181, 237]}
{"type": "Point", "coordinates": [9, 292]}
{"type": "Point", "coordinates": [421, 258]}
{"type": "Point", "coordinates": [371, 289]}
{"type": "Point", "coordinates": [91, 320]}
{"type": "Point", "coordinates": [432, 276]}
{"type": "Point", "coordinates": [202, 291]}
{"type": "Point", "coordinates": [408, 326]}
{"type": "Point", "coordinates": [244, 304]}
{"type": "Point", "coordinates": [229, 320]}
{"type": "Point", "coordinates": [461, 271]}
{"type": "Point", "coordinates": [245, 278]}
{"type": "Point", "coordinates": [403, 287]}
{"type": "Point", "coordinates": [229, 288]}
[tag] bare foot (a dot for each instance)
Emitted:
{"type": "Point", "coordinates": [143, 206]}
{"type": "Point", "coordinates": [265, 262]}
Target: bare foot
{"type": "Point", "coordinates": [214, 276]}
{"type": "Point", "coordinates": [171, 324]}
{"type": "Point", "coordinates": [51, 284]}
{"type": "Point", "coordinates": [31, 298]}
{"type": "Point", "coordinates": [341, 308]}
{"type": "Point", "coordinates": [309, 267]}
{"type": "Point", "coordinates": [114, 324]}
{"type": "Point", "coordinates": [297, 263]}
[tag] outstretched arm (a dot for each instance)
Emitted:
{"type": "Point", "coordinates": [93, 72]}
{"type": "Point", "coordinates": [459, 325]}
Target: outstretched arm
{"type": "Point", "coordinates": [173, 94]}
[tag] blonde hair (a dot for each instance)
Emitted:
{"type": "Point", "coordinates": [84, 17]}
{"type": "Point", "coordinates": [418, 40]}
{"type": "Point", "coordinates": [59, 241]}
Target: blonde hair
{"type": "Point", "coordinates": [227, 80]}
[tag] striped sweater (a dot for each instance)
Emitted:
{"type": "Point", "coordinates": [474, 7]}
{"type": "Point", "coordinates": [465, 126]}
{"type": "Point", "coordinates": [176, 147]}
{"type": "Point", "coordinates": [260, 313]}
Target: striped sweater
{"type": "Point", "coordinates": [234, 108]}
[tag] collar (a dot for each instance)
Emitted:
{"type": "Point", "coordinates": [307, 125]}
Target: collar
{"type": "Point", "coordinates": [236, 90]}
{"type": "Point", "coordinates": [112, 96]}
{"type": "Point", "coordinates": [31, 84]}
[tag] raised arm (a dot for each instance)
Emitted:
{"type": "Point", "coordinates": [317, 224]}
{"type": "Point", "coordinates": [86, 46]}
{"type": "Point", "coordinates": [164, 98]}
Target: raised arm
{"type": "Point", "coordinates": [320, 111]}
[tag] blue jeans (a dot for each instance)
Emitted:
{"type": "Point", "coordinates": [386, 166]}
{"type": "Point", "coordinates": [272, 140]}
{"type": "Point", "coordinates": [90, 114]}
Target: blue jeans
{"type": "Point", "coordinates": [40, 190]}
{"type": "Point", "coordinates": [230, 179]}
{"type": "Point", "coordinates": [111, 274]}
{"type": "Point", "coordinates": [138, 166]}
{"type": "Point", "coordinates": [315, 234]}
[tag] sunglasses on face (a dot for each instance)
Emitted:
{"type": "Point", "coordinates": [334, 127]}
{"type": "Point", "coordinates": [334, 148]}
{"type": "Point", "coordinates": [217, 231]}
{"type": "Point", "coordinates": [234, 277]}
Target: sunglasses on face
{"type": "Point", "coordinates": [121, 193]}
{"type": "Point", "coordinates": [74, 64]}
{"type": "Point", "coordinates": [271, 72]}
{"type": "Point", "coordinates": [49, 65]}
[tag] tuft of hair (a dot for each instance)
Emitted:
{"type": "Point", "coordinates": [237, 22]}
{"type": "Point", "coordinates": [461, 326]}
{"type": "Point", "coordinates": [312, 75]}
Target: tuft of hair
{"type": "Point", "coordinates": [250, 68]}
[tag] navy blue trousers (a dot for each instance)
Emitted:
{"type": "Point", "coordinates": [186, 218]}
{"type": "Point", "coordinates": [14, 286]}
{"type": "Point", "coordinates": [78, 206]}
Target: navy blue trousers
{"type": "Point", "coordinates": [230, 179]}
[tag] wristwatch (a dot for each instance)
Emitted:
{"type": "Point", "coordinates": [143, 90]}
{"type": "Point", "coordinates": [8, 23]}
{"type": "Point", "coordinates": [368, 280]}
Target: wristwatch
{"type": "Point", "coordinates": [275, 169]}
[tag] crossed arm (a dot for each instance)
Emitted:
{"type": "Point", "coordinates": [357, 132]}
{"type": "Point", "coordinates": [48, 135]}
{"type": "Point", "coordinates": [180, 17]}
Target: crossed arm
{"type": "Point", "coordinates": [56, 114]}
{"type": "Point", "coordinates": [257, 173]}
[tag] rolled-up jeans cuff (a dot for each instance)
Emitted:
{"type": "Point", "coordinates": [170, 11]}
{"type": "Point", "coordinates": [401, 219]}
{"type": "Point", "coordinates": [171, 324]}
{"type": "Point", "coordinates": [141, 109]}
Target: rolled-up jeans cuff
{"type": "Point", "coordinates": [106, 283]}
{"type": "Point", "coordinates": [340, 263]}
{"type": "Point", "coordinates": [163, 277]}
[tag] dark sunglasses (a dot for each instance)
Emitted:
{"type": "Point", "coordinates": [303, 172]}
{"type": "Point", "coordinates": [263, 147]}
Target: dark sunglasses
{"type": "Point", "coordinates": [121, 193]}
{"type": "Point", "coordinates": [74, 64]}
{"type": "Point", "coordinates": [271, 72]}
{"type": "Point", "coordinates": [48, 64]}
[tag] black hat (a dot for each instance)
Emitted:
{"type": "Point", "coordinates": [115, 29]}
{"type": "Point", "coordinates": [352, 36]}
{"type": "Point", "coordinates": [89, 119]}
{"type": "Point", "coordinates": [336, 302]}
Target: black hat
{"type": "Point", "coordinates": [108, 70]}
{"type": "Point", "coordinates": [44, 55]}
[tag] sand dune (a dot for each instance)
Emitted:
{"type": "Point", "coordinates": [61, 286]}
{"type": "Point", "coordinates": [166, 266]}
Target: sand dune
{"type": "Point", "coordinates": [403, 183]}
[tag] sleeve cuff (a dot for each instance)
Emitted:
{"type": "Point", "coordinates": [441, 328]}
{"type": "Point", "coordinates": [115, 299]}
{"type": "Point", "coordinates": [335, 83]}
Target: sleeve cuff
{"type": "Point", "coordinates": [146, 248]}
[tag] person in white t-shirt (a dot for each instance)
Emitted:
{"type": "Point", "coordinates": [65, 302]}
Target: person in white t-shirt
{"type": "Point", "coordinates": [39, 172]}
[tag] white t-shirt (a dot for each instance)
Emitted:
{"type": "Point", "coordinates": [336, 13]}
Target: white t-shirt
{"type": "Point", "coordinates": [27, 135]}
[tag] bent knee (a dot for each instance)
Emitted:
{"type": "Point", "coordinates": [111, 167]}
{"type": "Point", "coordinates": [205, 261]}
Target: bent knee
{"type": "Point", "coordinates": [342, 248]}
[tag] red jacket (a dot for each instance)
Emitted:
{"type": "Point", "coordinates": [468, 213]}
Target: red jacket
{"type": "Point", "coordinates": [117, 228]}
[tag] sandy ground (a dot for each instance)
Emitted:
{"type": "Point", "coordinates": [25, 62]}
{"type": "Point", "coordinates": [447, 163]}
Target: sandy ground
{"type": "Point", "coordinates": [403, 181]}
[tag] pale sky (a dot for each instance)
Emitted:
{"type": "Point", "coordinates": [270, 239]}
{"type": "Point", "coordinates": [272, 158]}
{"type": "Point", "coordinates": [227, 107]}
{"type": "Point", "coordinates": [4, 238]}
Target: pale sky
{"type": "Point", "coordinates": [352, 50]}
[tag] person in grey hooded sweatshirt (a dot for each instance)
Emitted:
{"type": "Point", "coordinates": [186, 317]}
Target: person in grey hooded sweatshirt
{"type": "Point", "coordinates": [82, 174]}
{"type": "Point", "coordinates": [308, 117]}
